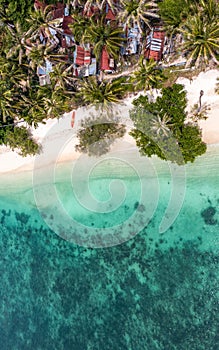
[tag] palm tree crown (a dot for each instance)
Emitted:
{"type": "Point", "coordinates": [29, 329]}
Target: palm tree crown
{"type": "Point", "coordinates": [148, 75]}
{"type": "Point", "coordinates": [101, 94]}
{"type": "Point", "coordinates": [161, 125]}
{"type": "Point", "coordinates": [201, 40]}
{"type": "Point", "coordinates": [139, 11]}
{"type": "Point", "coordinates": [101, 35]}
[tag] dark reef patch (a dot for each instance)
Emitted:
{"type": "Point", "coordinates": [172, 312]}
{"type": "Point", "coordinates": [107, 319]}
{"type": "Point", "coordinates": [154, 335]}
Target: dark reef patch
{"type": "Point", "coordinates": [208, 215]}
{"type": "Point", "coordinates": [22, 217]}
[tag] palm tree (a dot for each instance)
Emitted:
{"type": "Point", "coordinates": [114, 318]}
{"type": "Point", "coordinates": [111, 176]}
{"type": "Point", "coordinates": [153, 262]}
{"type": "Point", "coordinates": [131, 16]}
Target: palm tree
{"type": "Point", "coordinates": [41, 53]}
{"type": "Point", "coordinates": [101, 35]}
{"type": "Point", "coordinates": [31, 106]}
{"type": "Point", "coordinates": [79, 26]}
{"type": "Point", "coordinates": [161, 125]}
{"type": "Point", "coordinates": [14, 73]}
{"type": "Point", "coordinates": [62, 77]}
{"type": "Point", "coordinates": [15, 45]}
{"type": "Point", "coordinates": [199, 112]}
{"type": "Point", "coordinates": [41, 21]}
{"type": "Point", "coordinates": [201, 41]}
{"type": "Point", "coordinates": [56, 103]}
{"type": "Point", "coordinates": [101, 3]}
{"type": "Point", "coordinates": [148, 75]}
{"type": "Point", "coordinates": [102, 95]}
{"type": "Point", "coordinates": [209, 10]}
{"type": "Point", "coordinates": [140, 11]}
{"type": "Point", "coordinates": [6, 102]}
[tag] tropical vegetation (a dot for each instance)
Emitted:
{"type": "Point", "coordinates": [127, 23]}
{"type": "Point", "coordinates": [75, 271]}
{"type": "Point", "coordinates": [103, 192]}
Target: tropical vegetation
{"type": "Point", "coordinates": [97, 134]}
{"type": "Point", "coordinates": [161, 127]}
{"type": "Point", "coordinates": [102, 95]}
{"type": "Point", "coordinates": [28, 46]}
{"type": "Point", "coordinates": [148, 75]}
{"type": "Point", "coordinates": [197, 23]}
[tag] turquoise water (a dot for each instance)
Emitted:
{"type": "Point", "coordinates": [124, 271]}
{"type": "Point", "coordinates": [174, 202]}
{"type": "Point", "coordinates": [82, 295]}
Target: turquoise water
{"type": "Point", "coordinates": [156, 290]}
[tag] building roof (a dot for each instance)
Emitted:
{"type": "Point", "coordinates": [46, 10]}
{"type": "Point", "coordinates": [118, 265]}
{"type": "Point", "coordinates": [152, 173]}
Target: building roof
{"type": "Point", "coordinates": [155, 44]}
{"type": "Point", "coordinates": [82, 56]}
{"type": "Point", "coordinates": [58, 12]}
{"type": "Point", "coordinates": [109, 13]}
{"type": "Point", "coordinates": [66, 21]}
{"type": "Point", "coordinates": [104, 61]}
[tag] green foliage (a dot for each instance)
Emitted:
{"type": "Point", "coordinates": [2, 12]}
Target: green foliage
{"type": "Point", "coordinates": [102, 35]}
{"type": "Point", "coordinates": [15, 11]}
{"type": "Point", "coordinates": [148, 75]}
{"type": "Point", "coordinates": [20, 138]}
{"type": "Point", "coordinates": [80, 26]}
{"type": "Point", "coordinates": [98, 134]}
{"type": "Point", "coordinates": [173, 12]}
{"type": "Point", "coordinates": [160, 127]}
{"type": "Point", "coordinates": [7, 125]}
{"type": "Point", "coordinates": [172, 102]}
{"type": "Point", "coordinates": [101, 94]}
{"type": "Point", "coordinates": [201, 40]}
{"type": "Point", "coordinates": [190, 142]}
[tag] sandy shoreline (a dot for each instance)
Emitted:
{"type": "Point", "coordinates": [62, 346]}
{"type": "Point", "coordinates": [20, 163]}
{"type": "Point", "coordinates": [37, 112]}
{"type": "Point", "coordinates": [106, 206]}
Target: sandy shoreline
{"type": "Point", "coordinates": [60, 131]}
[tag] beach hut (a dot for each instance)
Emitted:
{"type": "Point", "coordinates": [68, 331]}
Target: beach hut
{"type": "Point", "coordinates": [104, 61]}
{"type": "Point", "coordinates": [43, 75]}
{"type": "Point", "coordinates": [155, 44]}
{"type": "Point", "coordinates": [110, 15]}
{"type": "Point", "coordinates": [82, 56]}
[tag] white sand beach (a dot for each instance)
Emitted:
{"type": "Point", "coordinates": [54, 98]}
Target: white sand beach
{"type": "Point", "coordinates": [11, 161]}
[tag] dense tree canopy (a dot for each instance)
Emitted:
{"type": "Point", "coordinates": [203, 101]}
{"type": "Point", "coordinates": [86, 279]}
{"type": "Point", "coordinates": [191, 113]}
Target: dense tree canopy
{"type": "Point", "coordinates": [97, 134]}
{"type": "Point", "coordinates": [101, 94]}
{"type": "Point", "coordinates": [160, 127]}
{"type": "Point", "coordinates": [15, 10]}
{"type": "Point", "coordinates": [172, 12]}
{"type": "Point", "coordinates": [28, 45]}
{"type": "Point", "coordinates": [20, 138]}
{"type": "Point", "coordinates": [148, 75]}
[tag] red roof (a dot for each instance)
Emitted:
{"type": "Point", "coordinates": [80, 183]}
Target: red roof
{"type": "Point", "coordinates": [154, 54]}
{"type": "Point", "coordinates": [155, 48]}
{"type": "Point", "coordinates": [110, 15]}
{"type": "Point", "coordinates": [59, 10]}
{"type": "Point", "coordinates": [66, 21]}
{"type": "Point", "coordinates": [104, 61]}
{"type": "Point", "coordinates": [79, 56]}
{"type": "Point", "coordinates": [83, 56]}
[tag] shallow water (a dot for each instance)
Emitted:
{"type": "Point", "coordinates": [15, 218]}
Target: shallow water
{"type": "Point", "coordinates": [157, 290]}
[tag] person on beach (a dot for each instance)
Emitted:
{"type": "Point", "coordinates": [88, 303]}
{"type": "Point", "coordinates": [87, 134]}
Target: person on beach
{"type": "Point", "coordinates": [73, 119]}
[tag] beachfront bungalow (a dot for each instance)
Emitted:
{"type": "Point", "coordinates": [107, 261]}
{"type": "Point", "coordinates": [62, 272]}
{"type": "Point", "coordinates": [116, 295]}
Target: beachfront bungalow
{"type": "Point", "coordinates": [106, 62]}
{"type": "Point", "coordinates": [110, 15]}
{"type": "Point", "coordinates": [155, 44]}
{"type": "Point", "coordinates": [81, 55]}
